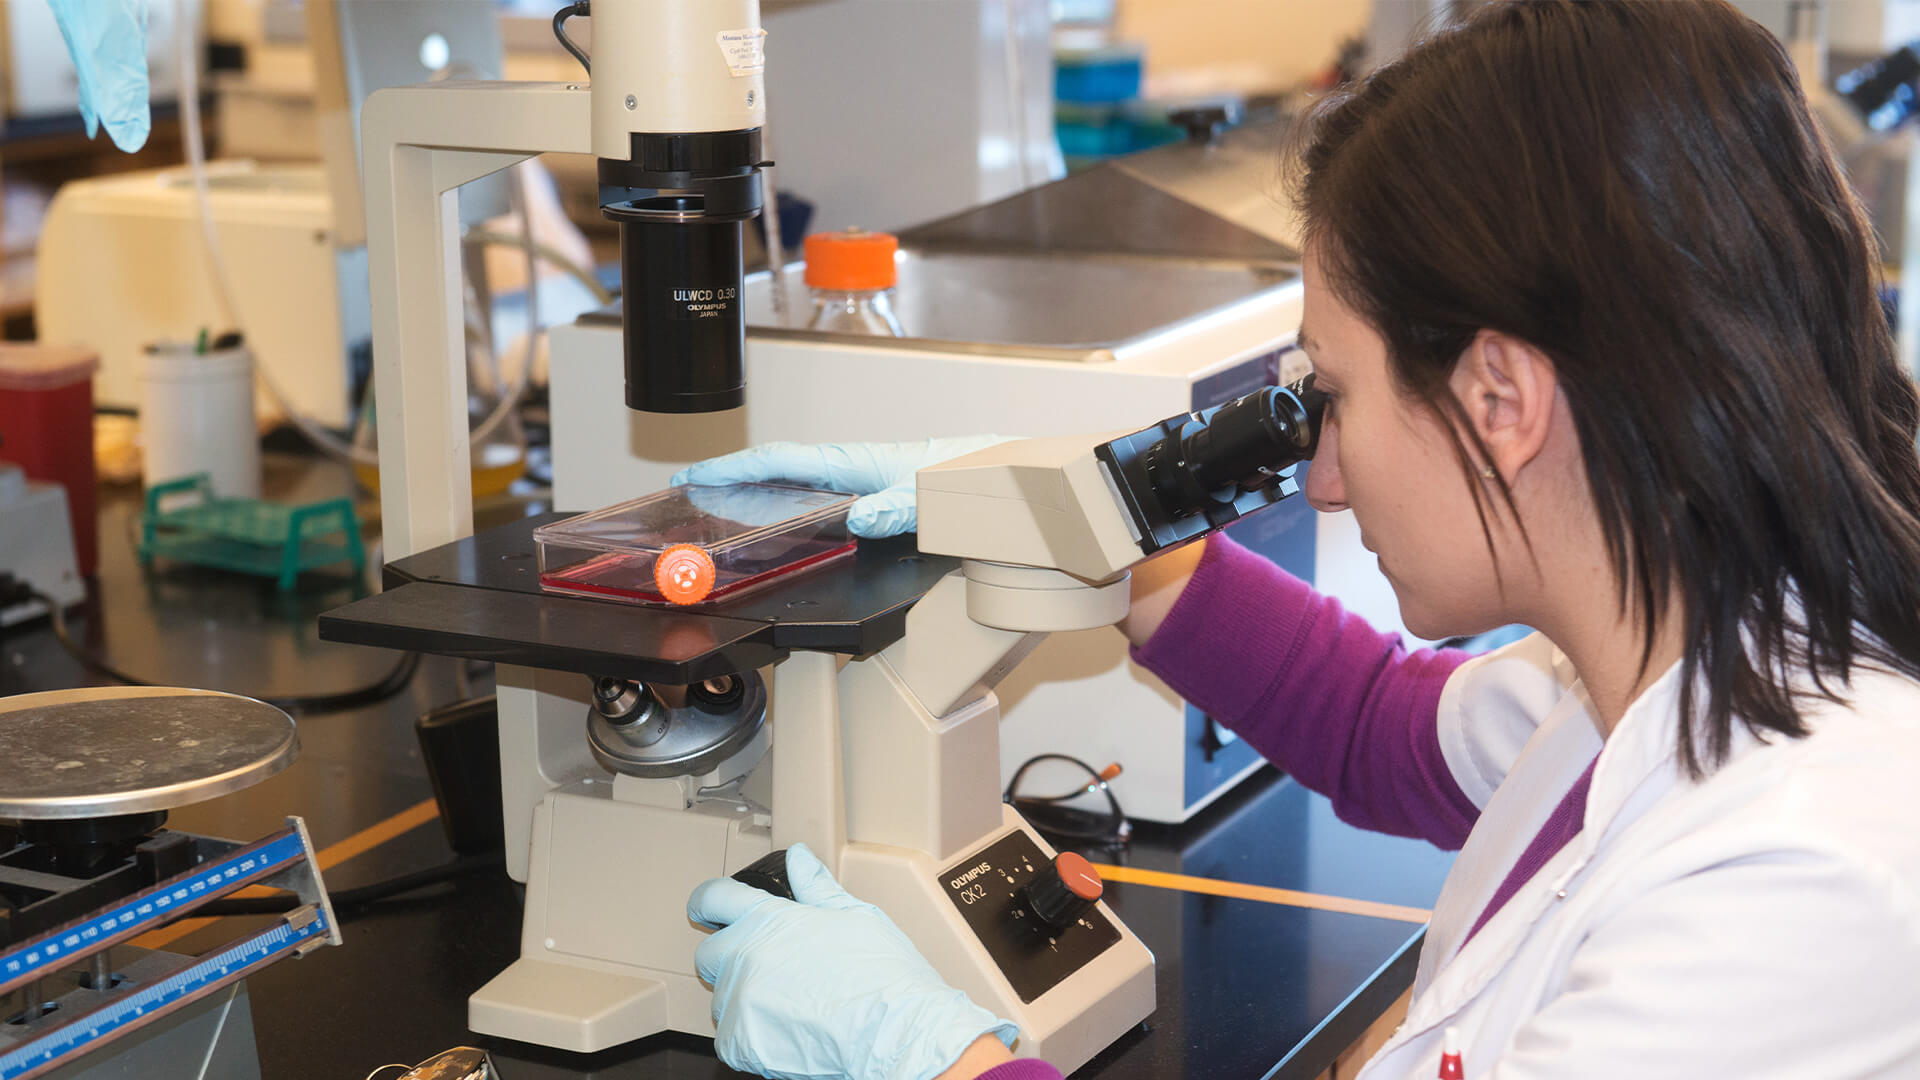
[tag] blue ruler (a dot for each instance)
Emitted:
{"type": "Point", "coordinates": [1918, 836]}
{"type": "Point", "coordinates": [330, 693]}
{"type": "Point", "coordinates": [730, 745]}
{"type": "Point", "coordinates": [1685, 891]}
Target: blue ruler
{"type": "Point", "coordinates": [57, 949]}
{"type": "Point", "coordinates": [156, 1000]}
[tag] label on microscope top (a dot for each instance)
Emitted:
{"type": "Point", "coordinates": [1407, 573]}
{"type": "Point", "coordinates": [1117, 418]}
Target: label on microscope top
{"type": "Point", "coordinates": [745, 51]}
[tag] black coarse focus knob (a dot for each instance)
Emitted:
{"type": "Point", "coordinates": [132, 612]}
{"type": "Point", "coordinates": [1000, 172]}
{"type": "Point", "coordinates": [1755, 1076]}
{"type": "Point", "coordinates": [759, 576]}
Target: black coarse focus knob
{"type": "Point", "coordinates": [1063, 890]}
{"type": "Point", "coordinates": [768, 873]}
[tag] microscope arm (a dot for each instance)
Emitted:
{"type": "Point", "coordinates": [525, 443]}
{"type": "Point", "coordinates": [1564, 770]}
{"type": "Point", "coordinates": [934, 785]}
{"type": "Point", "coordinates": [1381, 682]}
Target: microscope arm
{"type": "Point", "coordinates": [421, 143]}
{"type": "Point", "coordinates": [1048, 528]}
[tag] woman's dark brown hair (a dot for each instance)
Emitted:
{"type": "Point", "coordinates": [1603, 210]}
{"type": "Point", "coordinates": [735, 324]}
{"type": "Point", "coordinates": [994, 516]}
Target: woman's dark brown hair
{"type": "Point", "coordinates": [1637, 188]}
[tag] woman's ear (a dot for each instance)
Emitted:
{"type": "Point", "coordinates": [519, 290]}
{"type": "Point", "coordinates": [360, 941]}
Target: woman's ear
{"type": "Point", "coordinates": [1507, 388]}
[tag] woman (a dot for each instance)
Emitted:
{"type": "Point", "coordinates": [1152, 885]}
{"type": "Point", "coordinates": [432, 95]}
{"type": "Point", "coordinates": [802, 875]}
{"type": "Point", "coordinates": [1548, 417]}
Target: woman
{"type": "Point", "coordinates": [1597, 314]}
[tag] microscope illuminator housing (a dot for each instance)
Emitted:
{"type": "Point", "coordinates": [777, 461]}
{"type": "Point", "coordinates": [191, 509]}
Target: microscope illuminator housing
{"type": "Point", "coordinates": [677, 112]}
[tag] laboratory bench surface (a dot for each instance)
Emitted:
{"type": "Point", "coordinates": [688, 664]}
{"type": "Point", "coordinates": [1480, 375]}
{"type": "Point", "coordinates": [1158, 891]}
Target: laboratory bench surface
{"type": "Point", "coordinates": [1279, 933]}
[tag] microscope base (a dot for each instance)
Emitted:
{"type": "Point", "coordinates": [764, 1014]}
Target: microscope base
{"type": "Point", "coordinates": [607, 950]}
{"type": "Point", "coordinates": [567, 1006]}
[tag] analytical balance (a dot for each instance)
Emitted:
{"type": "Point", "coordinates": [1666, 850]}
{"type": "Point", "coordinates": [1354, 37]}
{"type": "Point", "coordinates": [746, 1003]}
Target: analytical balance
{"type": "Point", "coordinates": [86, 867]}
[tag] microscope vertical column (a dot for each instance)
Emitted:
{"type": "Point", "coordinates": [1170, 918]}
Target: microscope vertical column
{"type": "Point", "coordinates": [809, 783]}
{"type": "Point", "coordinates": [419, 144]}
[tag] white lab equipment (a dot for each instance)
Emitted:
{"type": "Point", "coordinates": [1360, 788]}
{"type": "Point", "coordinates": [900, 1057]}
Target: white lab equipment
{"type": "Point", "coordinates": [886, 767]}
{"type": "Point", "coordinates": [196, 412]}
{"type": "Point", "coordinates": [123, 264]}
{"type": "Point", "coordinates": [882, 759]}
{"type": "Point", "coordinates": [37, 542]}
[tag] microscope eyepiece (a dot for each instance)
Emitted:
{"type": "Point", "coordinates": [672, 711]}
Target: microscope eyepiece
{"type": "Point", "coordinates": [1194, 473]}
{"type": "Point", "coordinates": [1241, 445]}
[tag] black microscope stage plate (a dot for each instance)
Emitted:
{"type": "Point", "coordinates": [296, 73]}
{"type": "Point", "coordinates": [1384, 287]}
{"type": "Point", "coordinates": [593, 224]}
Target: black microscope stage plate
{"type": "Point", "coordinates": [481, 598]}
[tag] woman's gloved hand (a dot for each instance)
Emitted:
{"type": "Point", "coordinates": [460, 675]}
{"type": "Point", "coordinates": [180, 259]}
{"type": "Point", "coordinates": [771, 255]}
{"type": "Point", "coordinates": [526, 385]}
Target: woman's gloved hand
{"type": "Point", "coordinates": [826, 986]}
{"type": "Point", "coordinates": [881, 472]}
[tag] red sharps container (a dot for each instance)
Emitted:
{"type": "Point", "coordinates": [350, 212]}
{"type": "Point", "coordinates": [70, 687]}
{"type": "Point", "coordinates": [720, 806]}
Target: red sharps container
{"type": "Point", "coordinates": [46, 427]}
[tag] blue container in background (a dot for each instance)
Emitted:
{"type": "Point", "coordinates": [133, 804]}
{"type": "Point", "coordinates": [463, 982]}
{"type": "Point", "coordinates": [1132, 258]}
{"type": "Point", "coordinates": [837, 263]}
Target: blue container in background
{"type": "Point", "coordinates": [1104, 75]}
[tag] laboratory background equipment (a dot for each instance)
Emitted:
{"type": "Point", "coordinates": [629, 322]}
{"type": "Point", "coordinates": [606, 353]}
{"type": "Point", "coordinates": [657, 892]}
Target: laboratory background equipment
{"type": "Point", "coordinates": [190, 520]}
{"type": "Point", "coordinates": [291, 233]}
{"type": "Point", "coordinates": [292, 224]}
{"type": "Point", "coordinates": [87, 866]}
{"type": "Point", "coordinates": [36, 545]}
{"type": "Point", "coordinates": [131, 244]}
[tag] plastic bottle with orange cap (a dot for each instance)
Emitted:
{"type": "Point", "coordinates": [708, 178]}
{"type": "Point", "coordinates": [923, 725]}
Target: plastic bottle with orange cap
{"type": "Point", "coordinates": [851, 275]}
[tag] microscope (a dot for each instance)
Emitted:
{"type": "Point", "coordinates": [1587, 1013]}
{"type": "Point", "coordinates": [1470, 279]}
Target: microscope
{"type": "Point", "coordinates": [645, 749]}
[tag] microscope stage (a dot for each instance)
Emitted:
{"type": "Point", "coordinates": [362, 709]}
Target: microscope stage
{"type": "Point", "coordinates": [480, 597]}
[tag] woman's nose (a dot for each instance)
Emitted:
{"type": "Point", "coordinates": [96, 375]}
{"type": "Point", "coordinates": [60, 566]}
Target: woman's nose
{"type": "Point", "coordinates": [1325, 488]}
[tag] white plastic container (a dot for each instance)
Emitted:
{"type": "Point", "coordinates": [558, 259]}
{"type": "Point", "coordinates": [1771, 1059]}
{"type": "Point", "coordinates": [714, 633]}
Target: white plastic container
{"type": "Point", "coordinates": [196, 416]}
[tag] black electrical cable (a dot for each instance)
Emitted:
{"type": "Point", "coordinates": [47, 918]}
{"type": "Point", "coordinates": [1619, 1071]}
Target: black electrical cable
{"type": "Point", "coordinates": [1095, 785]}
{"type": "Point", "coordinates": [1048, 814]}
{"type": "Point", "coordinates": [560, 30]}
{"type": "Point", "coordinates": [394, 681]}
{"type": "Point", "coordinates": [345, 900]}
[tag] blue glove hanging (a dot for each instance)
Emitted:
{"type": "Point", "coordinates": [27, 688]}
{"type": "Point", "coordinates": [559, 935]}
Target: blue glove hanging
{"type": "Point", "coordinates": [108, 42]}
{"type": "Point", "coordinates": [882, 472]}
{"type": "Point", "coordinates": [826, 986]}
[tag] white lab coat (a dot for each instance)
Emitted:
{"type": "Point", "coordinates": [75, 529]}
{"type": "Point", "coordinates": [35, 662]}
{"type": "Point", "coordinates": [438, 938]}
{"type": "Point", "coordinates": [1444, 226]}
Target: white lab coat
{"type": "Point", "coordinates": [1762, 923]}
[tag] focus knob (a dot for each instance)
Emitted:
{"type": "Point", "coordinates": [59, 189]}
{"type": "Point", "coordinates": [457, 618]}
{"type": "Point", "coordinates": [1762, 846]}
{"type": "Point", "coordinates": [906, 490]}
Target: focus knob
{"type": "Point", "coordinates": [1063, 890]}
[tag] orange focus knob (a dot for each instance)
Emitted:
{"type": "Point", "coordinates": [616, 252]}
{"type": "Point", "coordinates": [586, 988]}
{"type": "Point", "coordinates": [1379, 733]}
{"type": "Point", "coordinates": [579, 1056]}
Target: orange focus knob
{"type": "Point", "coordinates": [1078, 875]}
{"type": "Point", "coordinates": [684, 573]}
{"type": "Point", "coordinates": [851, 261]}
{"type": "Point", "coordinates": [1063, 890]}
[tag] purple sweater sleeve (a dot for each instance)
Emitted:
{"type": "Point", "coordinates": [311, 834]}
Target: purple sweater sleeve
{"type": "Point", "coordinates": [1021, 1069]}
{"type": "Point", "coordinates": [1339, 705]}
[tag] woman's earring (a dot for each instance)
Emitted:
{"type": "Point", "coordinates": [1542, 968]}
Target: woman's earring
{"type": "Point", "coordinates": [1487, 473]}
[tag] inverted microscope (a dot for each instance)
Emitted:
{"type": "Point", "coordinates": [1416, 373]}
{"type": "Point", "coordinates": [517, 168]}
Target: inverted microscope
{"type": "Point", "coordinates": [851, 707]}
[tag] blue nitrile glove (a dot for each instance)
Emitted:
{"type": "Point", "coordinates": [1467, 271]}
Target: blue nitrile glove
{"type": "Point", "coordinates": [108, 42]}
{"type": "Point", "coordinates": [882, 472]}
{"type": "Point", "coordinates": [746, 505]}
{"type": "Point", "coordinates": [827, 986]}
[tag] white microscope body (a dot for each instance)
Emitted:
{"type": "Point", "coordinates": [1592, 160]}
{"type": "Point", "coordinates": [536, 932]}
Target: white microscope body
{"type": "Point", "coordinates": [886, 765]}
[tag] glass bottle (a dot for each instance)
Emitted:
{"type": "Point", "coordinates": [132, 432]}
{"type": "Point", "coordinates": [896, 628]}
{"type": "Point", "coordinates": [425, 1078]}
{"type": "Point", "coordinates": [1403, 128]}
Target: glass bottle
{"type": "Point", "coordinates": [851, 275]}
